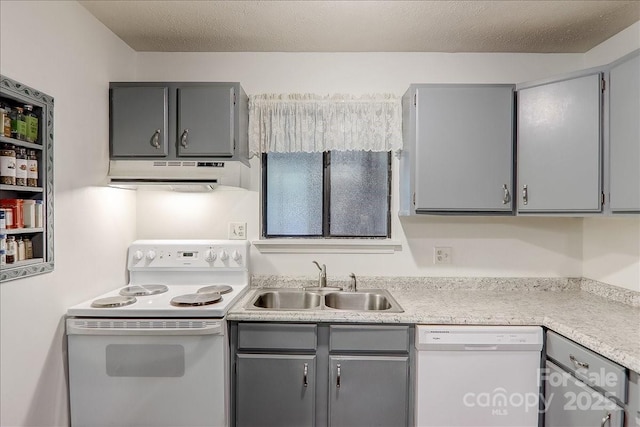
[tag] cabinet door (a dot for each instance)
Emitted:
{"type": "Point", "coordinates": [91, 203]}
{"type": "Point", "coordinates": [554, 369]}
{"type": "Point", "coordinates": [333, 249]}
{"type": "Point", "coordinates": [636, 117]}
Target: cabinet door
{"type": "Point", "coordinates": [205, 121]}
{"type": "Point", "coordinates": [275, 390]}
{"type": "Point", "coordinates": [464, 148]}
{"type": "Point", "coordinates": [559, 146]}
{"type": "Point", "coordinates": [569, 402]}
{"type": "Point", "coordinates": [139, 117]}
{"type": "Point", "coordinates": [624, 135]}
{"type": "Point", "coordinates": [368, 391]}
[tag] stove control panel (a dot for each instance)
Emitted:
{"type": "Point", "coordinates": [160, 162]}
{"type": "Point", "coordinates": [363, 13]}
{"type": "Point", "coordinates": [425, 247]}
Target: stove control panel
{"type": "Point", "coordinates": [188, 254]}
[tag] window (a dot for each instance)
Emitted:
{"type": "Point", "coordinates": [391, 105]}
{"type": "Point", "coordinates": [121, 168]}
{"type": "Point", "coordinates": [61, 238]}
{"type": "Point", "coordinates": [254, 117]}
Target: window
{"type": "Point", "coordinates": [337, 194]}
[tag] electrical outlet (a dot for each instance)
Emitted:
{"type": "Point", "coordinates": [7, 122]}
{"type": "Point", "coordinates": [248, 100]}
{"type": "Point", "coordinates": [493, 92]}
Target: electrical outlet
{"type": "Point", "coordinates": [441, 255]}
{"type": "Point", "coordinates": [237, 231]}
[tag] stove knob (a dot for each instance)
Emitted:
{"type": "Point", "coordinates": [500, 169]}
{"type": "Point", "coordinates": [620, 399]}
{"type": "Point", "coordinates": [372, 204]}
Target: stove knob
{"type": "Point", "coordinates": [224, 255]}
{"type": "Point", "coordinates": [235, 255]}
{"type": "Point", "coordinates": [138, 255]}
{"type": "Point", "coordinates": [209, 256]}
{"type": "Point", "coordinates": [151, 255]}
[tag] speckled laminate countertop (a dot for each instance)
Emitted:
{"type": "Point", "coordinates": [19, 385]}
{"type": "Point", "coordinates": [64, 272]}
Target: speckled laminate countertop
{"type": "Point", "coordinates": [603, 325]}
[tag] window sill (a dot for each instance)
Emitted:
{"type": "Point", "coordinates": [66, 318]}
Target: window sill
{"type": "Point", "coordinates": [324, 246]}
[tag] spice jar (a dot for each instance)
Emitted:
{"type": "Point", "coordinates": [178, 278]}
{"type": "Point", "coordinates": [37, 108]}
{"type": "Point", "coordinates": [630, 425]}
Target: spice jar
{"type": "Point", "coordinates": [3, 242]}
{"type": "Point", "coordinates": [3, 219]}
{"type": "Point", "coordinates": [18, 125]}
{"type": "Point", "coordinates": [20, 252]}
{"type": "Point", "coordinates": [6, 124]}
{"type": "Point", "coordinates": [15, 206]}
{"type": "Point", "coordinates": [11, 250]}
{"type": "Point", "coordinates": [21, 166]}
{"type": "Point", "coordinates": [3, 257]}
{"type": "Point", "coordinates": [32, 168]}
{"type": "Point", "coordinates": [29, 213]}
{"type": "Point", "coordinates": [28, 248]}
{"type": "Point", "coordinates": [31, 121]}
{"type": "Point", "coordinates": [3, 114]}
{"type": "Point", "coordinates": [7, 164]}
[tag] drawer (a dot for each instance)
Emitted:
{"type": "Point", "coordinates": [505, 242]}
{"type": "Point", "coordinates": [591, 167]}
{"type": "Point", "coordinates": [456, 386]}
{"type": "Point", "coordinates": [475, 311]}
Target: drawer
{"type": "Point", "coordinates": [276, 336]}
{"type": "Point", "coordinates": [369, 338]}
{"type": "Point", "coordinates": [590, 367]}
{"type": "Point", "coordinates": [633, 409]}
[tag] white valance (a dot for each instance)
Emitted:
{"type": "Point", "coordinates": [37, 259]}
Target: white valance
{"type": "Point", "coordinates": [312, 123]}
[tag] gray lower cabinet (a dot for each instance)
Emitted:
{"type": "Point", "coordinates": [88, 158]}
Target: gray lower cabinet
{"type": "Point", "coordinates": [289, 374]}
{"type": "Point", "coordinates": [275, 390]}
{"type": "Point", "coordinates": [571, 403]}
{"type": "Point", "coordinates": [458, 154]}
{"type": "Point", "coordinates": [624, 135]}
{"type": "Point", "coordinates": [633, 408]}
{"type": "Point", "coordinates": [368, 391]}
{"type": "Point", "coordinates": [178, 120]}
{"type": "Point", "coordinates": [559, 146]}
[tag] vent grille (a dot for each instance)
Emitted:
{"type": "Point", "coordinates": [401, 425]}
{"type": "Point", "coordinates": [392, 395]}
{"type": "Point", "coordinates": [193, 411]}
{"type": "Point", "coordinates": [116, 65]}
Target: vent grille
{"type": "Point", "coordinates": [142, 324]}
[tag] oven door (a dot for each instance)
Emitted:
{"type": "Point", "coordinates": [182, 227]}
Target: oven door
{"type": "Point", "coordinates": [147, 372]}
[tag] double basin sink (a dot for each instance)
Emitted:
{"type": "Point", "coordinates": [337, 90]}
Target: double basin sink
{"type": "Point", "coordinates": [378, 300]}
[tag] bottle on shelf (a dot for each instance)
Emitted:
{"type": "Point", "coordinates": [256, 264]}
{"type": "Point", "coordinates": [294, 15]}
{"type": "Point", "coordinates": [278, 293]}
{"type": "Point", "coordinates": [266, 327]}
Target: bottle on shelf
{"type": "Point", "coordinates": [20, 252]}
{"type": "Point", "coordinates": [21, 167]}
{"type": "Point", "coordinates": [28, 248]}
{"type": "Point", "coordinates": [8, 164]}
{"type": "Point", "coordinates": [6, 124]}
{"type": "Point", "coordinates": [11, 250]}
{"type": "Point", "coordinates": [31, 121]}
{"type": "Point", "coordinates": [32, 168]}
{"type": "Point", "coordinates": [18, 124]}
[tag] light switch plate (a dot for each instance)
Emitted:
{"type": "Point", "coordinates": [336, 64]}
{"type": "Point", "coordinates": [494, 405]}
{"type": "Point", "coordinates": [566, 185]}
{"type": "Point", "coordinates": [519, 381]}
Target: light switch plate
{"type": "Point", "coordinates": [441, 255]}
{"type": "Point", "coordinates": [237, 231]}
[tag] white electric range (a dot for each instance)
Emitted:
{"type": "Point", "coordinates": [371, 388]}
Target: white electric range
{"type": "Point", "coordinates": [154, 351]}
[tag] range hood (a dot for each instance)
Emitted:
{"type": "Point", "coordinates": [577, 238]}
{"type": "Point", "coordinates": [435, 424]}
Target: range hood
{"type": "Point", "coordinates": [177, 175]}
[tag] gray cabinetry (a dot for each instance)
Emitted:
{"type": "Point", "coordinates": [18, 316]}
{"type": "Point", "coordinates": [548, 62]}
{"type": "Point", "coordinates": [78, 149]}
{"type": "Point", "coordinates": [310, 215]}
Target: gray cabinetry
{"type": "Point", "coordinates": [458, 155]}
{"type": "Point", "coordinates": [559, 146]}
{"type": "Point", "coordinates": [624, 135]}
{"type": "Point", "coordinates": [205, 121]}
{"type": "Point", "coordinates": [368, 391]}
{"type": "Point", "coordinates": [139, 121]}
{"type": "Point", "coordinates": [633, 408]}
{"type": "Point", "coordinates": [178, 120]}
{"type": "Point", "coordinates": [275, 390]}
{"type": "Point", "coordinates": [289, 374]}
{"type": "Point", "coordinates": [571, 403]}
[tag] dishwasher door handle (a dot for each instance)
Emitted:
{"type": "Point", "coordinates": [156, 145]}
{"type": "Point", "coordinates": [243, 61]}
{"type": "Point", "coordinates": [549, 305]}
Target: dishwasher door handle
{"type": "Point", "coordinates": [480, 347]}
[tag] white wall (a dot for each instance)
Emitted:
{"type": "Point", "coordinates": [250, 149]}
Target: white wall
{"type": "Point", "coordinates": [60, 49]}
{"type": "Point", "coordinates": [481, 246]}
{"type": "Point", "coordinates": [611, 247]}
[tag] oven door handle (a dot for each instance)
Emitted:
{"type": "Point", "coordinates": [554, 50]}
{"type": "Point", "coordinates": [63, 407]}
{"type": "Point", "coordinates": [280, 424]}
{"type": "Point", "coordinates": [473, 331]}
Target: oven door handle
{"type": "Point", "coordinates": [164, 328]}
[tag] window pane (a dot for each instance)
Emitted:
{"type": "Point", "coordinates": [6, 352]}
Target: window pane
{"type": "Point", "coordinates": [294, 194]}
{"type": "Point", "coordinates": [359, 193]}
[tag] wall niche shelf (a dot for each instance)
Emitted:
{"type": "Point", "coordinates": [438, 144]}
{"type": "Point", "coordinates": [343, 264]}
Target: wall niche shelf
{"type": "Point", "coordinates": [15, 94]}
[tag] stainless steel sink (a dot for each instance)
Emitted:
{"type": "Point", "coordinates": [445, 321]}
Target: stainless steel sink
{"type": "Point", "coordinates": [379, 300]}
{"type": "Point", "coordinates": [287, 300]}
{"type": "Point", "coordinates": [360, 301]}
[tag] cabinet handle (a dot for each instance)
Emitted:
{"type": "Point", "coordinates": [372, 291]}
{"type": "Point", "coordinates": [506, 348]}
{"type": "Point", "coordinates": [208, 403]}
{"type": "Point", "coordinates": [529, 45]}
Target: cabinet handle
{"type": "Point", "coordinates": [183, 138]}
{"type": "Point", "coordinates": [305, 382]}
{"type": "Point", "coordinates": [577, 363]}
{"type": "Point", "coordinates": [606, 419]}
{"type": "Point", "coordinates": [525, 195]}
{"type": "Point", "coordinates": [155, 139]}
{"type": "Point", "coordinates": [506, 198]}
{"type": "Point", "coordinates": [338, 377]}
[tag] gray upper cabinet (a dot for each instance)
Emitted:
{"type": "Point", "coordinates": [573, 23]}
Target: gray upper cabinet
{"type": "Point", "coordinates": [139, 121]}
{"type": "Point", "coordinates": [624, 135]}
{"type": "Point", "coordinates": [205, 121]}
{"type": "Point", "coordinates": [178, 120]}
{"type": "Point", "coordinates": [559, 146]}
{"type": "Point", "coordinates": [458, 152]}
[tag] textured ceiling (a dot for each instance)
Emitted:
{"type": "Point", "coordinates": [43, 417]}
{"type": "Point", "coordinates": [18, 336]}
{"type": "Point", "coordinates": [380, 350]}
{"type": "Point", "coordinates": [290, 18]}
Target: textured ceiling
{"type": "Point", "coordinates": [364, 26]}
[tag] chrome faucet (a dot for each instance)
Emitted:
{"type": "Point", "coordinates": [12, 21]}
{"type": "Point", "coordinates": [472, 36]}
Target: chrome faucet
{"type": "Point", "coordinates": [354, 286]}
{"type": "Point", "coordinates": [322, 278]}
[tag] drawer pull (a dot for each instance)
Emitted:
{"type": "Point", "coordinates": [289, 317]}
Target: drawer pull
{"type": "Point", "coordinates": [605, 420]}
{"type": "Point", "coordinates": [578, 364]}
{"type": "Point", "coordinates": [506, 198]}
{"type": "Point", "coordinates": [338, 378]}
{"type": "Point", "coordinates": [155, 139]}
{"type": "Point", "coordinates": [305, 381]}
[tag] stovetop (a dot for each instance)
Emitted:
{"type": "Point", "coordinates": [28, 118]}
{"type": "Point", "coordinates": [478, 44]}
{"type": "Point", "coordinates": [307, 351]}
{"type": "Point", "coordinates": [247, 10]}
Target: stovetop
{"type": "Point", "coordinates": [184, 267]}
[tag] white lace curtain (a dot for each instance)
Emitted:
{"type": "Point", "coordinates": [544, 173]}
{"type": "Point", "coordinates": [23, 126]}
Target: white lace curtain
{"type": "Point", "coordinates": [312, 123]}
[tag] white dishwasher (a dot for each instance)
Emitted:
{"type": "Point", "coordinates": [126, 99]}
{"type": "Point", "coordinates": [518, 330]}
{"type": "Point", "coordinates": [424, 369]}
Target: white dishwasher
{"type": "Point", "coordinates": [478, 376]}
